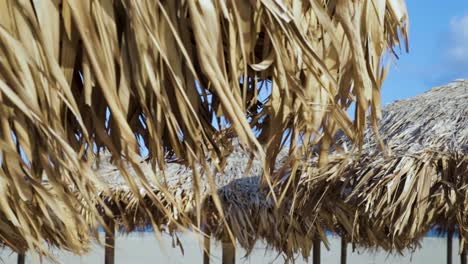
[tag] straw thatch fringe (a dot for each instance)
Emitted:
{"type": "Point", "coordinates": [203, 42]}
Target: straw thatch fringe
{"type": "Point", "coordinates": [12, 235]}
{"type": "Point", "coordinates": [76, 76]}
{"type": "Point", "coordinates": [394, 205]}
{"type": "Point", "coordinates": [409, 195]}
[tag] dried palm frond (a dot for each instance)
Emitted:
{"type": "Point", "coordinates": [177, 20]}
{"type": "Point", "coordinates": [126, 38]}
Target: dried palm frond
{"type": "Point", "coordinates": [419, 181]}
{"type": "Point", "coordinates": [79, 76]}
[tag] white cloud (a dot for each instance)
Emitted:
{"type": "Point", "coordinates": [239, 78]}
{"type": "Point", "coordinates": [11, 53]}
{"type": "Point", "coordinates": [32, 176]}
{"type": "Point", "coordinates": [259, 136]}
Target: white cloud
{"type": "Point", "coordinates": [458, 40]}
{"type": "Point", "coordinates": [453, 57]}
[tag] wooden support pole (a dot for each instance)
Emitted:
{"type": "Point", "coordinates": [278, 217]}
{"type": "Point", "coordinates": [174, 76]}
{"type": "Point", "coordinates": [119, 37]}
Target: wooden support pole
{"type": "Point", "coordinates": [463, 252]}
{"type": "Point", "coordinates": [344, 250]}
{"type": "Point", "coordinates": [449, 246]}
{"type": "Point", "coordinates": [206, 250]}
{"type": "Point", "coordinates": [21, 258]}
{"type": "Point", "coordinates": [229, 251]}
{"type": "Point", "coordinates": [206, 247]}
{"type": "Point", "coordinates": [316, 250]}
{"type": "Point", "coordinates": [207, 232]}
{"type": "Point", "coordinates": [109, 253]}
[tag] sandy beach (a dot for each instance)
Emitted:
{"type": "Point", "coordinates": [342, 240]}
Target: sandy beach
{"type": "Point", "coordinates": [145, 248]}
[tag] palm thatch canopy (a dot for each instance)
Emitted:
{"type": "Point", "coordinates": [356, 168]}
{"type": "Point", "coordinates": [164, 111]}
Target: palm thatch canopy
{"type": "Point", "coordinates": [419, 180]}
{"type": "Point", "coordinates": [433, 121]}
{"type": "Point", "coordinates": [175, 190]}
{"type": "Point", "coordinates": [80, 76]}
{"type": "Point", "coordinates": [237, 188]}
{"type": "Point", "coordinates": [248, 212]}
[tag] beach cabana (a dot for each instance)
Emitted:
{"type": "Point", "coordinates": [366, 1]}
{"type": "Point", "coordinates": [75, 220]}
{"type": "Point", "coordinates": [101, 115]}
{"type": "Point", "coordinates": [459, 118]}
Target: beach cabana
{"type": "Point", "coordinates": [419, 179]}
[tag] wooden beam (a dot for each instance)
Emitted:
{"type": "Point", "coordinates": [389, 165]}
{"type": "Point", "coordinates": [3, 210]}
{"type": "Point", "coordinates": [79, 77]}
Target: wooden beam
{"type": "Point", "coordinates": [21, 258]}
{"type": "Point", "coordinates": [229, 251]}
{"type": "Point", "coordinates": [316, 250]}
{"type": "Point", "coordinates": [449, 246]}
{"type": "Point", "coordinates": [109, 253]}
{"type": "Point", "coordinates": [344, 250]}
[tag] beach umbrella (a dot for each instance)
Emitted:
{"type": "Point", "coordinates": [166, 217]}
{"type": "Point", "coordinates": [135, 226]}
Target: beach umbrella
{"type": "Point", "coordinates": [249, 213]}
{"type": "Point", "coordinates": [425, 176]}
{"type": "Point", "coordinates": [176, 209]}
{"type": "Point", "coordinates": [80, 76]}
{"type": "Point", "coordinates": [418, 181]}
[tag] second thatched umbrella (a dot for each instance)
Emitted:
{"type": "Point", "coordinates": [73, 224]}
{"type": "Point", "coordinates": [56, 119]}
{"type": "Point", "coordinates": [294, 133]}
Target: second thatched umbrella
{"type": "Point", "coordinates": [420, 179]}
{"type": "Point", "coordinates": [248, 212]}
{"type": "Point", "coordinates": [177, 196]}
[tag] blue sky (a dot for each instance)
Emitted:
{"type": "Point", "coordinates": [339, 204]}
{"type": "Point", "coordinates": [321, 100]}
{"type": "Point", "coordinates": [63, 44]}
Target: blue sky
{"type": "Point", "coordinates": [438, 49]}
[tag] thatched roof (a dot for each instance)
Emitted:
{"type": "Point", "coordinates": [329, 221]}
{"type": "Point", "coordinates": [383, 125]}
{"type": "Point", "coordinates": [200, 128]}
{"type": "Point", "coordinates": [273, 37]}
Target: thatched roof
{"type": "Point", "coordinates": [420, 179]}
{"type": "Point", "coordinates": [81, 75]}
{"type": "Point", "coordinates": [436, 120]}
{"type": "Point", "coordinates": [175, 189]}
{"type": "Point", "coordinates": [248, 211]}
